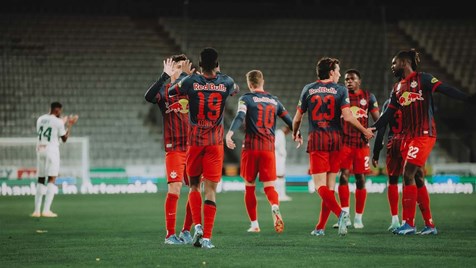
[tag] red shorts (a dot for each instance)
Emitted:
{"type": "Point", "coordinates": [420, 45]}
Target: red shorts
{"type": "Point", "coordinates": [254, 162]}
{"type": "Point", "coordinates": [355, 159]}
{"type": "Point", "coordinates": [394, 157]}
{"type": "Point", "coordinates": [175, 167]}
{"type": "Point", "coordinates": [322, 161]}
{"type": "Point", "coordinates": [206, 161]}
{"type": "Point", "coordinates": [417, 149]}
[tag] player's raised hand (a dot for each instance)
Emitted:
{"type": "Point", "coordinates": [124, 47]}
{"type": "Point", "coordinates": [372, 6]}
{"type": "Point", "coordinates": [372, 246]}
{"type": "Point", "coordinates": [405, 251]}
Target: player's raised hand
{"type": "Point", "coordinates": [187, 67]}
{"type": "Point", "coordinates": [229, 142]}
{"type": "Point", "coordinates": [169, 66]}
{"type": "Point", "coordinates": [298, 139]}
{"type": "Point", "coordinates": [72, 119]}
{"type": "Point", "coordinates": [65, 119]}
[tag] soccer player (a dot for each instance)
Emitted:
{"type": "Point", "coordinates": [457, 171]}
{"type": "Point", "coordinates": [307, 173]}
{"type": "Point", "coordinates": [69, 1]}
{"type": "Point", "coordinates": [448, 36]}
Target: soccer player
{"type": "Point", "coordinates": [413, 96]}
{"type": "Point", "coordinates": [50, 128]}
{"type": "Point", "coordinates": [207, 93]}
{"type": "Point", "coordinates": [355, 152]}
{"type": "Point", "coordinates": [326, 101]}
{"type": "Point", "coordinates": [259, 110]}
{"type": "Point", "coordinates": [281, 153]}
{"type": "Point", "coordinates": [175, 128]}
{"type": "Point", "coordinates": [394, 160]}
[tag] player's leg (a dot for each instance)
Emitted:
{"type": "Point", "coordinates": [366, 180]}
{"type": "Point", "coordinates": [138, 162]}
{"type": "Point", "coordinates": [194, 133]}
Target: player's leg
{"type": "Point", "coordinates": [361, 167]}
{"type": "Point", "coordinates": [175, 173]}
{"type": "Point", "coordinates": [325, 211]}
{"type": "Point", "coordinates": [392, 194]}
{"type": "Point", "coordinates": [212, 176]}
{"type": "Point", "coordinates": [423, 200]}
{"type": "Point", "coordinates": [41, 185]}
{"type": "Point", "coordinates": [394, 163]}
{"type": "Point", "coordinates": [52, 170]}
{"type": "Point", "coordinates": [319, 167]}
{"type": "Point", "coordinates": [249, 171]}
{"type": "Point", "coordinates": [267, 175]}
{"type": "Point", "coordinates": [194, 172]}
{"type": "Point", "coordinates": [345, 166]}
{"type": "Point", "coordinates": [185, 234]}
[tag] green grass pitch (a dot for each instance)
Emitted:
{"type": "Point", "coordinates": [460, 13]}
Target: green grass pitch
{"type": "Point", "coordinates": [128, 231]}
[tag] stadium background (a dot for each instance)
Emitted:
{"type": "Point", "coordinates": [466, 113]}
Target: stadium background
{"type": "Point", "coordinates": [99, 57]}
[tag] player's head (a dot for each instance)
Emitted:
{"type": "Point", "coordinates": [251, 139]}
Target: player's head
{"type": "Point", "coordinates": [56, 108]}
{"type": "Point", "coordinates": [328, 68]}
{"type": "Point", "coordinates": [208, 59]}
{"type": "Point", "coordinates": [255, 80]}
{"type": "Point", "coordinates": [405, 60]}
{"type": "Point", "coordinates": [178, 60]}
{"type": "Point", "coordinates": [352, 79]}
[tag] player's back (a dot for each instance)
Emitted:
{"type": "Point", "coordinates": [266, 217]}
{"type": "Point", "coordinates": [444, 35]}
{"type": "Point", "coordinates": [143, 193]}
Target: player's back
{"type": "Point", "coordinates": [262, 109]}
{"type": "Point", "coordinates": [207, 97]}
{"type": "Point", "coordinates": [49, 129]}
{"type": "Point", "coordinates": [324, 102]}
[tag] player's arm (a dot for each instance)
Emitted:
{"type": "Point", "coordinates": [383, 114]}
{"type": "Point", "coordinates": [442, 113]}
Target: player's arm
{"type": "Point", "coordinates": [297, 120]}
{"type": "Point", "coordinates": [236, 123]}
{"type": "Point", "coordinates": [378, 144]}
{"type": "Point", "coordinates": [374, 110]}
{"type": "Point", "coordinates": [385, 117]}
{"type": "Point", "coordinates": [152, 94]}
{"type": "Point", "coordinates": [284, 115]}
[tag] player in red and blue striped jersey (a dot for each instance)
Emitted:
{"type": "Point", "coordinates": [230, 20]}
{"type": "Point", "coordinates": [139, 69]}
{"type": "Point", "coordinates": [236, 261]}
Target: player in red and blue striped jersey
{"type": "Point", "coordinates": [394, 160]}
{"type": "Point", "coordinates": [326, 101]}
{"type": "Point", "coordinates": [259, 109]}
{"type": "Point", "coordinates": [207, 93]}
{"type": "Point", "coordinates": [175, 127]}
{"type": "Point", "coordinates": [412, 95]}
{"type": "Point", "coordinates": [355, 152]}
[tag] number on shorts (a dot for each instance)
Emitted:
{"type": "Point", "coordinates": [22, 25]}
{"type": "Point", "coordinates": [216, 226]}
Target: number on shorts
{"type": "Point", "coordinates": [412, 152]}
{"type": "Point", "coordinates": [367, 162]}
{"type": "Point", "coordinates": [46, 133]}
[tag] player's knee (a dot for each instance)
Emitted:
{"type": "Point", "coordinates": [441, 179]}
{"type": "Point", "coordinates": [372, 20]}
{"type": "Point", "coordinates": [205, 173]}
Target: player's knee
{"type": "Point", "coordinates": [343, 179]}
{"type": "Point", "coordinates": [360, 181]}
{"type": "Point", "coordinates": [393, 179]}
{"type": "Point", "coordinates": [42, 180]}
{"type": "Point", "coordinates": [175, 187]}
{"type": "Point", "coordinates": [195, 182]}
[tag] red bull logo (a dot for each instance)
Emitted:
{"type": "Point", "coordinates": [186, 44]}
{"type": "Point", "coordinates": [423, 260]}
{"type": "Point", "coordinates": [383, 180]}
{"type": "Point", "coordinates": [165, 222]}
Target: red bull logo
{"type": "Point", "coordinates": [408, 98]}
{"type": "Point", "coordinates": [179, 106]}
{"type": "Point", "coordinates": [358, 112]}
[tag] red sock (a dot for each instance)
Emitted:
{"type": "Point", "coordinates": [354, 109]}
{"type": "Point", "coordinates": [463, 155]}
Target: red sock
{"type": "Point", "coordinates": [409, 200]}
{"type": "Point", "coordinates": [209, 212]}
{"type": "Point", "coordinates": [251, 203]}
{"type": "Point", "coordinates": [424, 204]}
{"type": "Point", "coordinates": [360, 196]}
{"type": "Point", "coordinates": [272, 195]}
{"type": "Point", "coordinates": [170, 213]}
{"type": "Point", "coordinates": [329, 198]}
{"type": "Point", "coordinates": [392, 194]}
{"type": "Point", "coordinates": [344, 194]}
{"type": "Point", "coordinates": [187, 222]}
{"type": "Point", "coordinates": [195, 200]}
{"type": "Point", "coordinates": [323, 216]}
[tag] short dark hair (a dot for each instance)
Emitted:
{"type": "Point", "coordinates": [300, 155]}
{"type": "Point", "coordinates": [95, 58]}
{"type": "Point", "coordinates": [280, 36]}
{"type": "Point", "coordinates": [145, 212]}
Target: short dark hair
{"type": "Point", "coordinates": [55, 105]}
{"type": "Point", "coordinates": [208, 59]}
{"type": "Point", "coordinates": [411, 55]}
{"type": "Point", "coordinates": [179, 57]}
{"type": "Point", "coordinates": [324, 66]}
{"type": "Point", "coordinates": [353, 71]}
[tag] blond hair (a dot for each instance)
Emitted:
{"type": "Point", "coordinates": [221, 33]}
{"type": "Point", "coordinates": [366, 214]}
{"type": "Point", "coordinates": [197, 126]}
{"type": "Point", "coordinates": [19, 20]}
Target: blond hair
{"type": "Point", "coordinates": [254, 78]}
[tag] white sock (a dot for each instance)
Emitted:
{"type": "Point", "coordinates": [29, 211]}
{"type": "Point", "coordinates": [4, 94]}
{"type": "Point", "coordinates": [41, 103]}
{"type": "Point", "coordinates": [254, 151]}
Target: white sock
{"type": "Point", "coordinates": [273, 207]}
{"type": "Point", "coordinates": [254, 224]}
{"type": "Point", "coordinates": [278, 186]}
{"type": "Point", "coordinates": [395, 218]}
{"type": "Point", "coordinates": [40, 190]}
{"type": "Point", "coordinates": [358, 217]}
{"type": "Point", "coordinates": [206, 239]}
{"type": "Point", "coordinates": [50, 194]}
{"type": "Point", "coordinates": [346, 209]}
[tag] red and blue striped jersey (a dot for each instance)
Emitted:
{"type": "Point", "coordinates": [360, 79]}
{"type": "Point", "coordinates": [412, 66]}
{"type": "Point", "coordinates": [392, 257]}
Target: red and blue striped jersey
{"type": "Point", "coordinates": [362, 103]}
{"type": "Point", "coordinates": [207, 97]}
{"type": "Point", "coordinates": [324, 102]}
{"type": "Point", "coordinates": [413, 96]}
{"type": "Point", "coordinates": [261, 109]}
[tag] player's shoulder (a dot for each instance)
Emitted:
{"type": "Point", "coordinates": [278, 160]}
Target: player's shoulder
{"type": "Point", "coordinates": [225, 78]}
